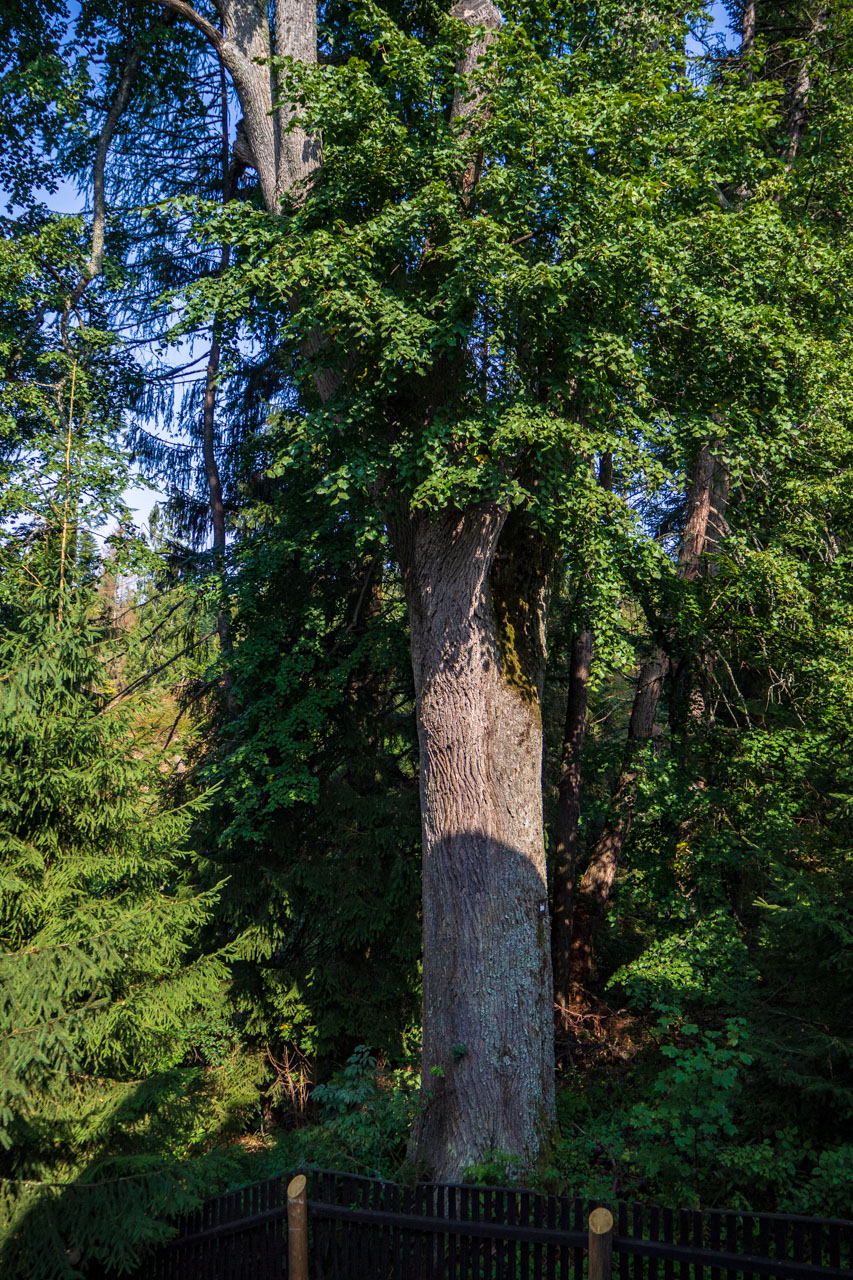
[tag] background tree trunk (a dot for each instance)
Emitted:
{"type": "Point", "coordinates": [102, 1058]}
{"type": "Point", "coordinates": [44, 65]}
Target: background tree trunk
{"type": "Point", "coordinates": [597, 881]}
{"type": "Point", "coordinates": [566, 827]}
{"type": "Point", "coordinates": [477, 612]}
{"type": "Point", "coordinates": [703, 529]}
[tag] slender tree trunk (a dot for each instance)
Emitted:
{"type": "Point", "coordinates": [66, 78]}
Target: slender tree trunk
{"type": "Point", "coordinates": [748, 27]}
{"type": "Point", "coordinates": [208, 443]}
{"type": "Point", "coordinates": [211, 466]}
{"type": "Point", "coordinates": [568, 814]}
{"type": "Point", "coordinates": [568, 803]}
{"type": "Point", "coordinates": [699, 496]}
{"type": "Point", "coordinates": [597, 881]}
{"type": "Point", "coordinates": [703, 533]}
{"type": "Point", "coordinates": [798, 107]}
{"type": "Point", "coordinates": [476, 586]}
{"type": "Point", "coordinates": [216, 502]}
{"type": "Point", "coordinates": [703, 528]}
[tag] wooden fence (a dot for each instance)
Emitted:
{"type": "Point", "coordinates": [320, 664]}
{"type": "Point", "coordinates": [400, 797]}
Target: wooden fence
{"type": "Point", "coordinates": [367, 1229]}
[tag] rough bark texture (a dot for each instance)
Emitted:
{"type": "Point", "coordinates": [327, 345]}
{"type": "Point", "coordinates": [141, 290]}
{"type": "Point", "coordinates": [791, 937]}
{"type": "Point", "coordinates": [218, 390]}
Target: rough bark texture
{"type": "Point", "coordinates": [798, 108]}
{"type": "Point", "coordinates": [566, 827]}
{"type": "Point", "coordinates": [477, 616]}
{"type": "Point", "coordinates": [703, 534]}
{"type": "Point", "coordinates": [698, 512]}
{"type": "Point", "coordinates": [748, 27]}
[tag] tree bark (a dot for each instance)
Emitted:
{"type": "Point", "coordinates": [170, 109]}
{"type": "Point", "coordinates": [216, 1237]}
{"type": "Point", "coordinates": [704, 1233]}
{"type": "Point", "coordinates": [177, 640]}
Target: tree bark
{"type": "Point", "coordinates": [798, 107]}
{"type": "Point", "coordinates": [476, 585]}
{"type": "Point", "coordinates": [566, 827]}
{"type": "Point", "coordinates": [698, 512]}
{"type": "Point", "coordinates": [748, 28]}
{"type": "Point", "coordinates": [703, 533]}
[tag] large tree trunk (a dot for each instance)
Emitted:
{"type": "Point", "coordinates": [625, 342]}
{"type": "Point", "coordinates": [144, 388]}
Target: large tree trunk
{"type": "Point", "coordinates": [476, 584]}
{"type": "Point", "coordinates": [476, 587]}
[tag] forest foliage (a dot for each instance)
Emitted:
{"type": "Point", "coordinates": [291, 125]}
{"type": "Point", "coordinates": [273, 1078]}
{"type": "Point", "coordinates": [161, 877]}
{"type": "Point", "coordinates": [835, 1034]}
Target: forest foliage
{"type": "Point", "coordinates": [635, 321]}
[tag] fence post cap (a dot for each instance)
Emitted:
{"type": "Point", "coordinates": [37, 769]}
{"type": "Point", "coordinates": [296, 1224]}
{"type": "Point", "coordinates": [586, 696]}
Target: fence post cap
{"type": "Point", "coordinates": [600, 1222]}
{"type": "Point", "coordinates": [296, 1186]}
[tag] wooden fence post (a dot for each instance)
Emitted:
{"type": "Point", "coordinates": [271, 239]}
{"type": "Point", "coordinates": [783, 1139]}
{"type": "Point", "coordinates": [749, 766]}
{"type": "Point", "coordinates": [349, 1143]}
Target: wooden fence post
{"type": "Point", "coordinates": [297, 1229]}
{"type": "Point", "coordinates": [600, 1244]}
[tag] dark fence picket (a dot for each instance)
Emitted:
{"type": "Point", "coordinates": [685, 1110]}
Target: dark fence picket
{"type": "Point", "coordinates": [551, 1252]}
{"type": "Point", "coordinates": [394, 1201]}
{"type": "Point", "coordinates": [198, 1247]}
{"type": "Point", "coordinates": [272, 1255]}
{"type": "Point", "coordinates": [684, 1241]}
{"type": "Point", "coordinates": [731, 1242]}
{"type": "Point", "coordinates": [463, 1205]}
{"type": "Point", "coordinates": [370, 1192]}
{"type": "Point", "coordinates": [564, 1224]}
{"type": "Point", "coordinates": [227, 1257]}
{"type": "Point", "coordinates": [699, 1243]}
{"type": "Point", "coordinates": [780, 1239]}
{"type": "Point", "coordinates": [384, 1238]}
{"type": "Point", "coordinates": [538, 1222]}
{"type": "Point", "coordinates": [483, 1199]}
{"type": "Point", "coordinates": [637, 1234]}
{"type": "Point", "coordinates": [476, 1241]}
{"type": "Point", "coordinates": [578, 1226]}
{"type": "Point", "coordinates": [715, 1224]}
{"type": "Point", "coordinates": [499, 1214]}
{"type": "Point", "coordinates": [623, 1229]}
{"type": "Point", "coordinates": [653, 1233]}
{"type": "Point", "coordinates": [761, 1246]}
{"type": "Point", "coordinates": [205, 1247]}
{"type": "Point", "coordinates": [325, 1232]}
{"type": "Point", "coordinates": [514, 1248]}
{"type": "Point", "coordinates": [797, 1242]}
{"type": "Point", "coordinates": [449, 1241]}
{"type": "Point", "coordinates": [350, 1252]}
{"type": "Point", "coordinates": [426, 1240]}
{"type": "Point", "coordinates": [669, 1236]}
{"type": "Point", "coordinates": [277, 1229]}
{"type": "Point", "coordinates": [521, 1251]}
{"type": "Point", "coordinates": [508, 1249]}
{"type": "Point", "coordinates": [255, 1250]}
{"type": "Point", "coordinates": [354, 1253]}
{"type": "Point", "coordinates": [747, 1241]}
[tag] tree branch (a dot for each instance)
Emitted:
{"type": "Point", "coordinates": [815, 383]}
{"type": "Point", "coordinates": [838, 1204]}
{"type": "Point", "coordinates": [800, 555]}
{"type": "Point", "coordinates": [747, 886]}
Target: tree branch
{"type": "Point", "coordinates": [207, 29]}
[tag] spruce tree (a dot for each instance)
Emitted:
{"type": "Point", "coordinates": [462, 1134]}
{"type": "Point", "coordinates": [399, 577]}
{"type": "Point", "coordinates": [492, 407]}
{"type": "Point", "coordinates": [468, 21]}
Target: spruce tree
{"type": "Point", "coordinates": [116, 1048]}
